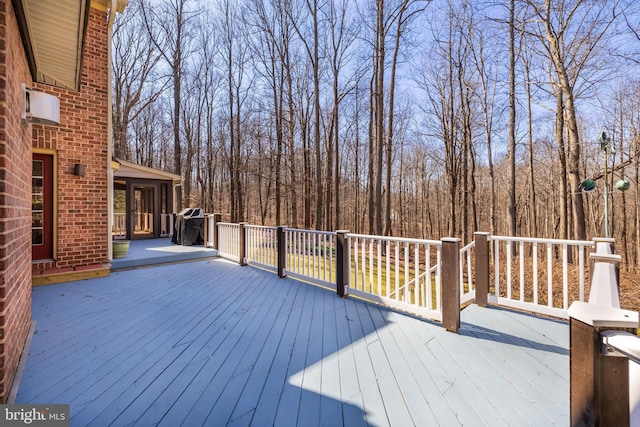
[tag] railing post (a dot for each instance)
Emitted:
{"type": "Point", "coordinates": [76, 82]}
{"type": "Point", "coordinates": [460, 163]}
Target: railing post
{"type": "Point", "coordinates": [605, 279]}
{"type": "Point", "coordinates": [342, 263]}
{"type": "Point", "coordinates": [206, 230]}
{"type": "Point", "coordinates": [450, 282]}
{"type": "Point", "coordinates": [604, 245]}
{"type": "Point", "coordinates": [217, 218]}
{"type": "Point", "coordinates": [482, 268]}
{"type": "Point", "coordinates": [599, 384]}
{"type": "Point", "coordinates": [281, 243]}
{"type": "Point", "coordinates": [242, 243]}
{"type": "Point", "coordinates": [174, 217]}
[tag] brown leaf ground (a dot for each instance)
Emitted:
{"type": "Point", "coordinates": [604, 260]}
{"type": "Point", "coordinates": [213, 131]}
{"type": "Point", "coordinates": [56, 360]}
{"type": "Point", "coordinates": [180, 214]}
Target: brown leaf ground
{"type": "Point", "coordinates": [630, 291]}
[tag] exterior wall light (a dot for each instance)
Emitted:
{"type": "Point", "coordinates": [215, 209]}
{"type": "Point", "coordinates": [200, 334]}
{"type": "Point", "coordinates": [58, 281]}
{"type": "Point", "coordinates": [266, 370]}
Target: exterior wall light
{"type": "Point", "coordinates": [40, 107]}
{"type": "Point", "coordinates": [79, 169]}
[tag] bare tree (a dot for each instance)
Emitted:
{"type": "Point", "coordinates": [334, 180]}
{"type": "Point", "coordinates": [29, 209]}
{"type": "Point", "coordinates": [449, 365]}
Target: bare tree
{"type": "Point", "coordinates": [342, 34]}
{"type": "Point", "coordinates": [288, 107]}
{"type": "Point", "coordinates": [512, 119]}
{"type": "Point", "coordinates": [269, 47]}
{"type": "Point", "coordinates": [571, 32]}
{"type": "Point", "coordinates": [438, 80]}
{"type": "Point", "coordinates": [167, 25]}
{"type": "Point", "coordinates": [485, 56]}
{"type": "Point", "coordinates": [209, 86]}
{"type": "Point", "coordinates": [136, 83]}
{"type": "Point", "coordinates": [310, 38]}
{"type": "Point", "coordinates": [402, 17]}
{"type": "Point", "coordinates": [235, 56]}
{"type": "Point", "coordinates": [377, 107]}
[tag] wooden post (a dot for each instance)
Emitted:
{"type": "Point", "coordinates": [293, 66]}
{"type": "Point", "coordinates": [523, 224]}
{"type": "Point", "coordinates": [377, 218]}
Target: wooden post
{"type": "Point", "coordinates": [613, 391]}
{"type": "Point", "coordinates": [342, 263]}
{"type": "Point", "coordinates": [243, 243]}
{"type": "Point", "coordinates": [155, 215]}
{"type": "Point", "coordinates": [482, 268]}
{"type": "Point", "coordinates": [174, 217]}
{"type": "Point", "coordinates": [130, 209]}
{"type": "Point", "coordinates": [599, 384]}
{"type": "Point", "coordinates": [451, 284]}
{"type": "Point", "coordinates": [281, 243]}
{"type": "Point", "coordinates": [217, 217]}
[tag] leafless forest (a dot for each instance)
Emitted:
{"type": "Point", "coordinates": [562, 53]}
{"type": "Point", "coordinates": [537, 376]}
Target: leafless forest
{"type": "Point", "coordinates": [398, 117]}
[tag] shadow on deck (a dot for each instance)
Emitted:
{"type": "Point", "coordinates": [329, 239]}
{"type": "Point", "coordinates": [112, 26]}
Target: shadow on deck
{"type": "Point", "coordinates": [213, 343]}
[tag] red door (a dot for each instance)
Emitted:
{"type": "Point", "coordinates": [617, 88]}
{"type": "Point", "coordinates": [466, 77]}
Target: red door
{"type": "Point", "coordinates": [42, 207]}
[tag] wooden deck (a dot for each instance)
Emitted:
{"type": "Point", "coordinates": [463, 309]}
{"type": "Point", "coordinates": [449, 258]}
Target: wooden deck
{"type": "Point", "coordinates": [159, 251]}
{"type": "Point", "coordinates": [212, 343]}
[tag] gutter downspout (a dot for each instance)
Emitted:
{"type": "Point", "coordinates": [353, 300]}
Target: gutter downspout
{"type": "Point", "coordinates": [112, 15]}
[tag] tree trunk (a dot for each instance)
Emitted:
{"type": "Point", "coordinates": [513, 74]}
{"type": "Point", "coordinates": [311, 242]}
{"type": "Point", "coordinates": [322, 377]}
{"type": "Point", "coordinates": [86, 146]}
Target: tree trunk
{"type": "Point", "coordinates": [512, 121]}
{"type": "Point", "coordinates": [379, 115]}
{"type": "Point", "coordinates": [533, 218]}
{"type": "Point", "coordinates": [562, 193]}
{"type": "Point", "coordinates": [371, 159]}
{"type": "Point", "coordinates": [316, 125]}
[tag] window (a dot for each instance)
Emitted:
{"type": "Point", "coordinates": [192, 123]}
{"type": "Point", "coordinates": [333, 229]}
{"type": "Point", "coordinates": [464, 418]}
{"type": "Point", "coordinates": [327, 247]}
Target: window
{"type": "Point", "coordinates": [42, 207]}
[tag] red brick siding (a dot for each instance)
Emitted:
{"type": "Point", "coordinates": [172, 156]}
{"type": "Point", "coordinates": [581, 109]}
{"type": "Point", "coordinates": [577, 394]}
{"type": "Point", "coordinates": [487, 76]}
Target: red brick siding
{"type": "Point", "coordinates": [81, 138]}
{"type": "Point", "coordinates": [15, 201]}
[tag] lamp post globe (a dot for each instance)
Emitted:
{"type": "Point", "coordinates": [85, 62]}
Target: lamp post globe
{"type": "Point", "coordinates": [623, 185]}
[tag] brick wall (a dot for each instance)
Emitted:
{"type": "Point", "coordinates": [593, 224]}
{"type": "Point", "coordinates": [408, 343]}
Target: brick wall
{"type": "Point", "coordinates": [81, 138]}
{"type": "Point", "coordinates": [15, 201]}
{"type": "Point", "coordinates": [82, 201]}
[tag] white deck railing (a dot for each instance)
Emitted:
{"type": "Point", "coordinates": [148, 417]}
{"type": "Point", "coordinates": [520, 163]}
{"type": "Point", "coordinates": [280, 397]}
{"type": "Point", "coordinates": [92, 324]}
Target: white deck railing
{"type": "Point", "coordinates": [166, 225]}
{"type": "Point", "coordinates": [262, 246]}
{"type": "Point", "coordinates": [229, 241]}
{"type": "Point", "coordinates": [311, 256]}
{"type": "Point", "coordinates": [524, 273]}
{"type": "Point", "coordinates": [624, 343]}
{"type": "Point", "coordinates": [534, 288]}
{"type": "Point", "coordinates": [402, 273]}
{"type": "Point", "coordinates": [143, 223]}
{"type": "Point", "coordinates": [119, 228]}
{"type": "Point", "coordinates": [467, 289]}
{"type": "Point", "coordinates": [209, 228]}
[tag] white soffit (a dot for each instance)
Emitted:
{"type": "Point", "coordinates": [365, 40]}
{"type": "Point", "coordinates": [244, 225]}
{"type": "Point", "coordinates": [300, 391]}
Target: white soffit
{"type": "Point", "coordinates": [56, 29]}
{"type": "Point", "coordinates": [132, 170]}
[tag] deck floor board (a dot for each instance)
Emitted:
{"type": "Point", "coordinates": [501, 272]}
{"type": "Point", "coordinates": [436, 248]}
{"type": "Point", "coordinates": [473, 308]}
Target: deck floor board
{"type": "Point", "coordinates": [189, 364]}
{"type": "Point", "coordinates": [411, 371]}
{"type": "Point", "coordinates": [275, 382]}
{"type": "Point", "coordinates": [213, 343]}
{"type": "Point", "coordinates": [350, 394]}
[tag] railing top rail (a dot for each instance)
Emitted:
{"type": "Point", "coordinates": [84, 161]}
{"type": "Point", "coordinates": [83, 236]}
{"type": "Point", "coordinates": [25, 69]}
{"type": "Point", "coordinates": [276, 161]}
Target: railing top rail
{"type": "Point", "coordinates": [319, 232]}
{"type": "Point", "coordinates": [470, 245]}
{"type": "Point", "coordinates": [263, 227]}
{"type": "Point", "coordinates": [622, 342]}
{"type": "Point", "coordinates": [396, 239]}
{"type": "Point", "coordinates": [229, 224]}
{"type": "Point", "coordinates": [540, 240]}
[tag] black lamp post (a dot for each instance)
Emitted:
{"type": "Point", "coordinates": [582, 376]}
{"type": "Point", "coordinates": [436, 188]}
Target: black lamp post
{"type": "Point", "coordinates": [590, 184]}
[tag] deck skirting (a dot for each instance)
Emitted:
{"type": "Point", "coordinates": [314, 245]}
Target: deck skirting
{"type": "Point", "coordinates": [51, 278]}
